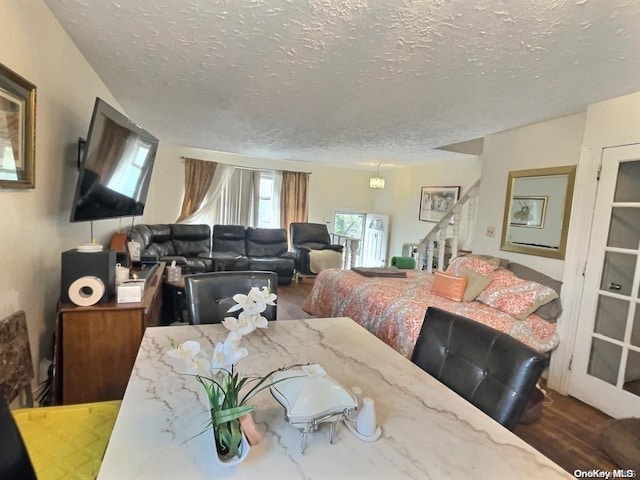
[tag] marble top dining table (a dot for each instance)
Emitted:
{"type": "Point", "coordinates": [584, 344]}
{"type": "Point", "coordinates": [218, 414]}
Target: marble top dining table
{"type": "Point", "coordinates": [427, 430]}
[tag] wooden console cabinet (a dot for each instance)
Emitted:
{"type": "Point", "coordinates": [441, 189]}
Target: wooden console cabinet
{"type": "Point", "coordinates": [97, 346]}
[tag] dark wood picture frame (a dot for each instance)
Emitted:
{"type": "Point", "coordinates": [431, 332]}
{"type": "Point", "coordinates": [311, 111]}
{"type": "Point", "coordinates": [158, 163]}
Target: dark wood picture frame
{"type": "Point", "coordinates": [17, 130]}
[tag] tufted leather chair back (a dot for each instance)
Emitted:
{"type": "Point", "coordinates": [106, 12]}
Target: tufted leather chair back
{"type": "Point", "coordinates": [490, 369]}
{"type": "Point", "coordinates": [210, 295]}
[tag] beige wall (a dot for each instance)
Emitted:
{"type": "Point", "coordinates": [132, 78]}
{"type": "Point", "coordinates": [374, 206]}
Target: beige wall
{"type": "Point", "coordinates": [329, 188]}
{"type": "Point", "coordinates": [613, 122]}
{"type": "Point", "coordinates": [547, 144]}
{"type": "Point", "coordinates": [401, 197]}
{"type": "Point", "coordinates": [35, 223]}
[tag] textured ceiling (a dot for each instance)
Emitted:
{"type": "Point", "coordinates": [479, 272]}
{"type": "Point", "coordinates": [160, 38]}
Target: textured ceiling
{"type": "Point", "coordinates": [353, 81]}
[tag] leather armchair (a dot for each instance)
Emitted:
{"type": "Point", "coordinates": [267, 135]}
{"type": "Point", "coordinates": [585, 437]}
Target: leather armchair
{"type": "Point", "coordinates": [210, 295]}
{"type": "Point", "coordinates": [267, 251]}
{"type": "Point", "coordinates": [306, 237]}
{"type": "Point", "coordinates": [490, 369]}
{"type": "Point", "coordinates": [180, 242]}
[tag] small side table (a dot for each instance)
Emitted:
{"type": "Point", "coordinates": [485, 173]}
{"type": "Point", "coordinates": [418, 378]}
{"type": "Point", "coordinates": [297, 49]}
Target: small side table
{"type": "Point", "coordinates": [220, 259]}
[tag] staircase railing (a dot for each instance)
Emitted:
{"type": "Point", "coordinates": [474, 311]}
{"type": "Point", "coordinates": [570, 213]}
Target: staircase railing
{"type": "Point", "coordinates": [438, 234]}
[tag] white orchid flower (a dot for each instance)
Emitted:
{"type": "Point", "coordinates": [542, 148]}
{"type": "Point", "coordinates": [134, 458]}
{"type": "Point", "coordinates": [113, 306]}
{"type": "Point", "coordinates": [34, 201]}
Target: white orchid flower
{"type": "Point", "coordinates": [241, 325]}
{"type": "Point", "coordinates": [227, 353]}
{"type": "Point", "coordinates": [255, 319]}
{"type": "Point", "coordinates": [190, 353]}
{"type": "Point", "coordinates": [255, 302]}
{"type": "Point", "coordinates": [263, 296]}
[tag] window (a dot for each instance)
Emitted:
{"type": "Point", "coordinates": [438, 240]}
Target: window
{"type": "Point", "coordinates": [251, 198]}
{"type": "Point", "coordinates": [268, 217]}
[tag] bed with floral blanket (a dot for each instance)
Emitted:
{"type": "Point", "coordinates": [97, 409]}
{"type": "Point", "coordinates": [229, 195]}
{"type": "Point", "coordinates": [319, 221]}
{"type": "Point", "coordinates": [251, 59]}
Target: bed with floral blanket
{"type": "Point", "coordinates": [393, 308]}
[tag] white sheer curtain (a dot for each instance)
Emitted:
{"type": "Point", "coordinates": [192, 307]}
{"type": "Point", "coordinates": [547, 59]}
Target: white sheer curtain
{"type": "Point", "coordinates": [206, 213]}
{"type": "Point", "coordinates": [238, 203]}
{"type": "Point", "coordinates": [275, 198]}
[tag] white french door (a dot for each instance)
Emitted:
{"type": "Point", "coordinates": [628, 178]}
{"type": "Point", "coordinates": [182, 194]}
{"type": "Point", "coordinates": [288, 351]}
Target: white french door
{"type": "Point", "coordinates": [606, 363]}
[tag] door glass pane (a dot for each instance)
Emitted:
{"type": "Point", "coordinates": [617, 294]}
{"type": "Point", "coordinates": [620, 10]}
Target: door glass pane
{"type": "Point", "coordinates": [617, 275]}
{"type": "Point", "coordinates": [349, 224]}
{"type": "Point", "coordinates": [632, 373]}
{"type": "Point", "coordinates": [635, 329]}
{"type": "Point", "coordinates": [611, 317]}
{"type": "Point", "coordinates": [624, 231]}
{"type": "Point", "coordinates": [628, 183]}
{"type": "Point", "coordinates": [604, 361]}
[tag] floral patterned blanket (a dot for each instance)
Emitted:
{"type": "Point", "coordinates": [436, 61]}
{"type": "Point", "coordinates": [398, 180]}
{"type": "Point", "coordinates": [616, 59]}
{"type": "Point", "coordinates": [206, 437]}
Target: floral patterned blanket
{"type": "Point", "coordinates": [393, 308]}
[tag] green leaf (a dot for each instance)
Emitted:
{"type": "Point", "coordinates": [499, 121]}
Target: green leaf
{"type": "Point", "coordinates": [229, 414]}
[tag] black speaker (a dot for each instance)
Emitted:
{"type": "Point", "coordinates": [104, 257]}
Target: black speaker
{"type": "Point", "coordinates": [77, 264]}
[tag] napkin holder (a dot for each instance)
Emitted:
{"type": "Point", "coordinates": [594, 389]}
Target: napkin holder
{"type": "Point", "coordinates": [310, 397]}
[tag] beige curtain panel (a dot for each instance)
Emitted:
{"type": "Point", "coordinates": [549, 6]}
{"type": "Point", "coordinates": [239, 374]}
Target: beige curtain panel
{"type": "Point", "coordinates": [294, 198]}
{"type": "Point", "coordinates": [198, 175]}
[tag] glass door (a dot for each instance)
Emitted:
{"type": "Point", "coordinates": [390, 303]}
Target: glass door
{"type": "Point", "coordinates": [606, 366]}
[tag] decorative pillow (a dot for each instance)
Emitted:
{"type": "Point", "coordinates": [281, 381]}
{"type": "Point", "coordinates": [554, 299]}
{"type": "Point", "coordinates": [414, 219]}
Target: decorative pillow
{"type": "Point", "coordinates": [476, 284]}
{"type": "Point", "coordinates": [515, 296]}
{"type": "Point", "coordinates": [473, 263]}
{"type": "Point", "coordinates": [449, 286]}
{"type": "Point", "coordinates": [552, 310]}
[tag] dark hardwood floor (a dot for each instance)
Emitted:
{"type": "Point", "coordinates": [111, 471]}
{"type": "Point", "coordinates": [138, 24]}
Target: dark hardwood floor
{"type": "Point", "coordinates": [567, 433]}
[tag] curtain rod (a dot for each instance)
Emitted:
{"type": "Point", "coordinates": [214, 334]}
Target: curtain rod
{"type": "Point", "coordinates": [182, 157]}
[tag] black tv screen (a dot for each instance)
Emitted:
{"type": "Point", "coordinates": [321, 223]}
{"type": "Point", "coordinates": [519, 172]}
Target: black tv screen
{"type": "Point", "coordinates": [115, 169]}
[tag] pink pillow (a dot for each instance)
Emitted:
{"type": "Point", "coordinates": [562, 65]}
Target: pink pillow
{"type": "Point", "coordinates": [470, 262]}
{"type": "Point", "coordinates": [448, 286]}
{"type": "Point", "coordinates": [515, 296]}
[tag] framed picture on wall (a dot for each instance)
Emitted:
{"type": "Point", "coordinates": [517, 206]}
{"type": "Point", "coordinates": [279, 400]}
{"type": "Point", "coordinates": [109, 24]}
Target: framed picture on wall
{"type": "Point", "coordinates": [528, 211]}
{"type": "Point", "coordinates": [436, 201]}
{"type": "Point", "coordinates": [17, 130]}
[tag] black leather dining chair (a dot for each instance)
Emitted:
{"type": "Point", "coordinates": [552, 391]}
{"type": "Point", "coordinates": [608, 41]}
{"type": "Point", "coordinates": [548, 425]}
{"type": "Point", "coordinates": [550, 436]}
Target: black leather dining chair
{"type": "Point", "coordinates": [210, 295]}
{"type": "Point", "coordinates": [490, 369]}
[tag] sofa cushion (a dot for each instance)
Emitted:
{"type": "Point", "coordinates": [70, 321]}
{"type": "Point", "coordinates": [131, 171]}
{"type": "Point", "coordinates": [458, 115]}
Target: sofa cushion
{"type": "Point", "coordinates": [473, 263]}
{"type": "Point", "coordinates": [229, 238]}
{"type": "Point", "coordinates": [153, 239]}
{"type": "Point", "coordinates": [515, 296]}
{"type": "Point", "coordinates": [190, 240]}
{"type": "Point", "coordinates": [476, 284]}
{"type": "Point", "coordinates": [449, 286]}
{"type": "Point", "coordinates": [266, 242]}
{"type": "Point", "coordinates": [552, 310]}
{"type": "Point", "coordinates": [283, 267]}
{"type": "Point", "coordinates": [303, 233]}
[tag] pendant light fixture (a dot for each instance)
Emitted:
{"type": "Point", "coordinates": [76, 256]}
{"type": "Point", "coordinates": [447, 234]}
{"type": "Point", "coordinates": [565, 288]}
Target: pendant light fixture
{"type": "Point", "coordinates": [377, 181]}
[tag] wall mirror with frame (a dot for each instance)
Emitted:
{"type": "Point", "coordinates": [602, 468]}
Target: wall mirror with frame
{"type": "Point", "coordinates": [537, 211]}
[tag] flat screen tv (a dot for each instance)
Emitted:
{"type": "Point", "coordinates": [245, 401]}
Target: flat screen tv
{"type": "Point", "coordinates": [115, 167]}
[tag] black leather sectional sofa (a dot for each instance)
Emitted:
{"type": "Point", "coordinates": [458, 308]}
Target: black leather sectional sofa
{"type": "Point", "coordinates": [261, 249]}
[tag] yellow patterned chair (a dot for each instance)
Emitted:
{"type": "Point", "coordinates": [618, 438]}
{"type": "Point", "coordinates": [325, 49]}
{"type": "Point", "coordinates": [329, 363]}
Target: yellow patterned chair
{"type": "Point", "coordinates": [63, 442]}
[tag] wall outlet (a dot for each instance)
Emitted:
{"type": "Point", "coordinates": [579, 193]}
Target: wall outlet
{"type": "Point", "coordinates": [491, 231]}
